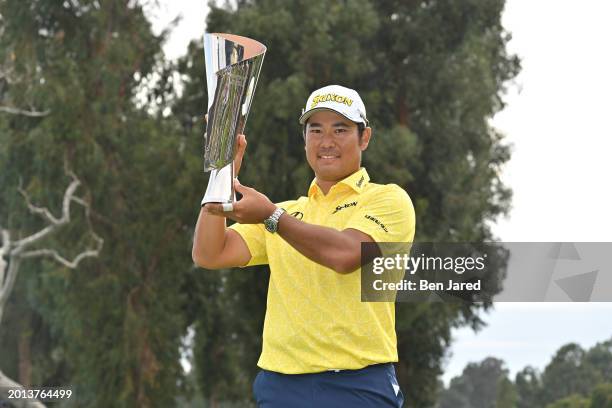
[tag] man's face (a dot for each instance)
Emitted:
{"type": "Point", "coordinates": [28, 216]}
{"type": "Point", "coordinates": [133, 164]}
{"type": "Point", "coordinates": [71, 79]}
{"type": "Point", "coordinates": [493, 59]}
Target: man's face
{"type": "Point", "coordinates": [333, 147]}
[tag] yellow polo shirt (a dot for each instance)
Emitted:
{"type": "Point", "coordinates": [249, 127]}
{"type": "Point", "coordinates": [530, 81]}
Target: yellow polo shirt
{"type": "Point", "coordinates": [315, 320]}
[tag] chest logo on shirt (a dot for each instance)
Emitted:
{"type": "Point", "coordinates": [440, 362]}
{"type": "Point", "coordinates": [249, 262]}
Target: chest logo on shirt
{"type": "Point", "coordinates": [297, 214]}
{"type": "Point", "coordinates": [376, 220]}
{"type": "Point", "coordinates": [343, 206]}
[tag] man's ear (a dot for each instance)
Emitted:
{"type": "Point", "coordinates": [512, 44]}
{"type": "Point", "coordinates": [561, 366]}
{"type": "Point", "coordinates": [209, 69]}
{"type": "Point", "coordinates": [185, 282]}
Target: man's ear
{"type": "Point", "coordinates": [365, 138]}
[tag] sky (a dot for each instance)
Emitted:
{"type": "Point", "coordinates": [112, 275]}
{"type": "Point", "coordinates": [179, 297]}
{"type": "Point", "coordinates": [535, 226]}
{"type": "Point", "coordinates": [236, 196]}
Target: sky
{"type": "Point", "coordinates": [559, 123]}
{"type": "Point", "coordinates": [557, 119]}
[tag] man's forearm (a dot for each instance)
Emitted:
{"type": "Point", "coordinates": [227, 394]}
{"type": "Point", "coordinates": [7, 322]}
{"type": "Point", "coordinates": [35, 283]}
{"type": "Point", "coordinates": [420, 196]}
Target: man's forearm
{"type": "Point", "coordinates": [338, 250]}
{"type": "Point", "coordinates": [208, 238]}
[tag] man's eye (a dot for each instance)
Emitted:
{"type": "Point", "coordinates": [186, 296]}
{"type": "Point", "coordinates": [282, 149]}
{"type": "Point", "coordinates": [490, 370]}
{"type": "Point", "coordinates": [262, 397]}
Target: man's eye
{"type": "Point", "coordinates": [340, 130]}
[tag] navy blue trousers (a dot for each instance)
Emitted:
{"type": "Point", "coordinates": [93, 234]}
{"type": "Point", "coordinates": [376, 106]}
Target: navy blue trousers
{"type": "Point", "coordinates": [373, 386]}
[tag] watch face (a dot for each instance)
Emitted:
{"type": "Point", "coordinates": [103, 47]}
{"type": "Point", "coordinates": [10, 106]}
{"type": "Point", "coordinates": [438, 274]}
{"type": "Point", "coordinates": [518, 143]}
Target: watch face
{"type": "Point", "coordinates": [270, 225]}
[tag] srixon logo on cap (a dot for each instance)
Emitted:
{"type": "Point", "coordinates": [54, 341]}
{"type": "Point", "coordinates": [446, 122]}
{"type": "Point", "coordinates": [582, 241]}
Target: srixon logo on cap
{"type": "Point", "coordinates": [331, 97]}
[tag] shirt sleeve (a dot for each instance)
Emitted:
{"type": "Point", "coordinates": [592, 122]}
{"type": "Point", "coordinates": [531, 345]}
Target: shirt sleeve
{"type": "Point", "coordinates": [387, 215]}
{"type": "Point", "coordinates": [255, 239]}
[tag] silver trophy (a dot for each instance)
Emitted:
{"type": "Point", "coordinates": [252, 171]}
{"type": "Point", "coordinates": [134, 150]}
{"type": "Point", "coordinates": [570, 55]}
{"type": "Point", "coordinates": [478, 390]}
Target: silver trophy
{"type": "Point", "coordinates": [233, 64]}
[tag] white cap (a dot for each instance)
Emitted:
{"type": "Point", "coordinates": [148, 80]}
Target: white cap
{"type": "Point", "coordinates": [336, 98]}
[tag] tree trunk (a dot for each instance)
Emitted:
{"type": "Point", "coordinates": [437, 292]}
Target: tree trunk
{"type": "Point", "coordinates": [403, 115]}
{"type": "Point", "coordinates": [25, 354]}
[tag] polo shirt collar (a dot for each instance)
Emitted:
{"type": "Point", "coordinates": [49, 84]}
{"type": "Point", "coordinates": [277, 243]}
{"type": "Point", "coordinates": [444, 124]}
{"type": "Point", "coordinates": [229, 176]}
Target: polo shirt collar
{"type": "Point", "coordinates": [356, 181]}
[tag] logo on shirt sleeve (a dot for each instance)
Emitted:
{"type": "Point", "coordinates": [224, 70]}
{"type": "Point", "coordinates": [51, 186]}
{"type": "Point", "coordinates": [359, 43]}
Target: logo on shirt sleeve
{"type": "Point", "coordinates": [297, 214]}
{"type": "Point", "coordinates": [377, 222]}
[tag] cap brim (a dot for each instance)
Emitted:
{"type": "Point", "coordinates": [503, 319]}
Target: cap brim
{"type": "Point", "coordinates": [311, 112]}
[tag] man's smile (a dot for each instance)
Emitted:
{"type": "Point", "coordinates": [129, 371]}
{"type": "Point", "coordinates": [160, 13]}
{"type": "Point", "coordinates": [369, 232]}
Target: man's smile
{"type": "Point", "coordinates": [328, 156]}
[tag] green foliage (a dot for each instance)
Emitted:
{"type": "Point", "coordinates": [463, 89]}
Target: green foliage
{"type": "Point", "coordinates": [431, 74]}
{"type": "Point", "coordinates": [574, 378]}
{"type": "Point", "coordinates": [573, 401]}
{"type": "Point", "coordinates": [481, 385]}
{"type": "Point", "coordinates": [507, 395]}
{"type": "Point", "coordinates": [600, 358]}
{"type": "Point", "coordinates": [528, 386]}
{"type": "Point", "coordinates": [568, 373]}
{"type": "Point", "coordinates": [601, 397]}
{"type": "Point", "coordinates": [571, 373]}
{"type": "Point", "coordinates": [111, 328]}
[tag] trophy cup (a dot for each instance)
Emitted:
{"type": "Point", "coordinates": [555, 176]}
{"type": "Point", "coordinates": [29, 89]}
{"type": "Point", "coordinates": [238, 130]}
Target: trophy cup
{"type": "Point", "coordinates": [233, 64]}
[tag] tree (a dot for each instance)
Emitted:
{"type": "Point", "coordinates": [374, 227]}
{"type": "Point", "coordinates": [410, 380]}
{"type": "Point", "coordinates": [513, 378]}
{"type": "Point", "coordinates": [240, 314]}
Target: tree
{"type": "Point", "coordinates": [573, 401]}
{"type": "Point", "coordinates": [481, 385]}
{"type": "Point", "coordinates": [600, 357]}
{"type": "Point", "coordinates": [16, 250]}
{"type": "Point", "coordinates": [507, 396]}
{"type": "Point", "coordinates": [431, 74]}
{"type": "Point", "coordinates": [528, 386]}
{"type": "Point", "coordinates": [568, 379]}
{"type": "Point", "coordinates": [572, 379]}
{"type": "Point", "coordinates": [568, 373]}
{"type": "Point", "coordinates": [601, 397]}
{"type": "Point", "coordinates": [115, 326]}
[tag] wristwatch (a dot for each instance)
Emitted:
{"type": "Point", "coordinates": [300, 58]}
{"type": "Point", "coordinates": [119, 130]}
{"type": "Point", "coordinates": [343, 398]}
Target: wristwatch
{"type": "Point", "coordinates": [271, 222]}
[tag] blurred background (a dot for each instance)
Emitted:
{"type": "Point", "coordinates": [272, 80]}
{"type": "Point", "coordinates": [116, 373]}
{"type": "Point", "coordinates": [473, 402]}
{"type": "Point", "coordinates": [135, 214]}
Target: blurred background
{"type": "Point", "coordinates": [492, 114]}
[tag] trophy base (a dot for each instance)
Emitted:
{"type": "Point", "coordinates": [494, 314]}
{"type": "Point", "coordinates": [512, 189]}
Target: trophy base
{"type": "Point", "coordinates": [215, 200]}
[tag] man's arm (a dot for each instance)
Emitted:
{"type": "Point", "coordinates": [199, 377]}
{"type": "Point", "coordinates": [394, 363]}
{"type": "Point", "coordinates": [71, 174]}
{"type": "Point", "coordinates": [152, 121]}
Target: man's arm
{"type": "Point", "coordinates": [338, 250]}
{"type": "Point", "coordinates": [215, 246]}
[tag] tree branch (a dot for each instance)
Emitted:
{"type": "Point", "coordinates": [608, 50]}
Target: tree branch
{"type": "Point", "coordinates": [55, 222]}
{"type": "Point", "coordinates": [69, 264]}
{"type": "Point", "coordinates": [36, 210]}
{"type": "Point", "coordinates": [4, 250]}
{"type": "Point", "coordinates": [30, 113]}
{"type": "Point", "coordinates": [16, 251]}
{"type": "Point", "coordinates": [7, 285]}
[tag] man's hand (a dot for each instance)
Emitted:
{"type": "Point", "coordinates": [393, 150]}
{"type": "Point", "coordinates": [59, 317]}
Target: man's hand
{"type": "Point", "coordinates": [253, 208]}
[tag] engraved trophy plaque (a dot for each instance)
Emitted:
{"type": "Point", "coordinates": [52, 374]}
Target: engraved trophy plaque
{"type": "Point", "coordinates": [233, 64]}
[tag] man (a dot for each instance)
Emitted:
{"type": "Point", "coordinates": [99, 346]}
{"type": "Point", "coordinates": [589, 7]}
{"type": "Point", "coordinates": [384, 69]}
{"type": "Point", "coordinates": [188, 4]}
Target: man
{"type": "Point", "coordinates": [322, 346]}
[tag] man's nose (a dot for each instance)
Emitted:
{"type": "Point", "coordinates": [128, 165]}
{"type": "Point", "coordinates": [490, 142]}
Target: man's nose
{"type": "Point", "coordinates": [328, 137]}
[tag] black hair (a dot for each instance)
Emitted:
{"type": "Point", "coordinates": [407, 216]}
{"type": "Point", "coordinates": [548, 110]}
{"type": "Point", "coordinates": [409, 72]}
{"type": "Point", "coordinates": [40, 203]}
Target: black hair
{"type": "Point", "coordinates": [360, 128]}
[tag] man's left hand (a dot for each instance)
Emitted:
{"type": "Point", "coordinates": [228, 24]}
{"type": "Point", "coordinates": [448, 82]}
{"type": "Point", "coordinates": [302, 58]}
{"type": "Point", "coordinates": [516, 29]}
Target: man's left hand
{"type": "Point", "coordinates": [253, 208]}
